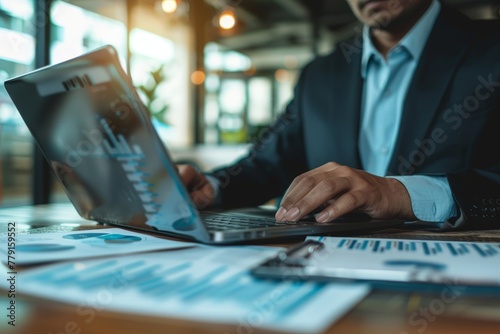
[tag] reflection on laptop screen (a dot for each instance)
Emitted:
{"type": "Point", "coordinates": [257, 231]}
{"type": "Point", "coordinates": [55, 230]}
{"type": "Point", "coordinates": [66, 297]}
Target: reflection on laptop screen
{"type": "Point", "coordinates": [102, 146]}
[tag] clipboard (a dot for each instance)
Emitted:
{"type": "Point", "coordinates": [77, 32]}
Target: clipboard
{"type": "Point", "coordinates": [294, 264]}
{"type": "Point", "coordinates": [303, 262]}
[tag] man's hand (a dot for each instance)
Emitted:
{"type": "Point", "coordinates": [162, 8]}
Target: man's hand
{"type": "Point", "coordinates": [199, 188]}
{"type": "Point", "coordinates": [342, 190]}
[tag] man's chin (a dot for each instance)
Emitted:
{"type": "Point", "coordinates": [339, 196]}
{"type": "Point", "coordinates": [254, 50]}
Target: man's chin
{"type": "Point", "coordinates": [380, 20]}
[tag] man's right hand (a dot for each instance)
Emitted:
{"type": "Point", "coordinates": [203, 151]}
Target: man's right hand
{"type": "Point", "coordinates": [200, 189]}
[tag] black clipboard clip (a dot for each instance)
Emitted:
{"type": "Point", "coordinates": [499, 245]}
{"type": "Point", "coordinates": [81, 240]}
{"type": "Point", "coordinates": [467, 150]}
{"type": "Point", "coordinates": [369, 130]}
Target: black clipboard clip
{"type": "Point", "coordinates": [297, 256]}
{"type": "Point", "coordinates": [289, 263]}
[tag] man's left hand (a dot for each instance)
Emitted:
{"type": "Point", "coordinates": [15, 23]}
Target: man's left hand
{"type": "Point", "coordinates": [342, 190]}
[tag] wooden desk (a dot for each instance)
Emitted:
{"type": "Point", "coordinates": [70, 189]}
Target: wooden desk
{"type": "Point", "coordinates": [381, 312]}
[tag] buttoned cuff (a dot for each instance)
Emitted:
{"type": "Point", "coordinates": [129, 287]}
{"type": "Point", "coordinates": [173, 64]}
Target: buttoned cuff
{"type": "Point", "coordinates": [430, 196]}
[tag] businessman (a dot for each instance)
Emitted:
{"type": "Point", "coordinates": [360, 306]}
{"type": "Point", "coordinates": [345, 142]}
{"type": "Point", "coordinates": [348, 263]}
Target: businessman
{"type": "Point", "coordinates": [394, 123]}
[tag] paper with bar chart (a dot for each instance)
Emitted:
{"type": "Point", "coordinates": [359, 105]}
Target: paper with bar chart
{"type": "Point", "coordinates": [208, 284]}
{"type": "Point", "coordinates": [403, 260]}
{"type": "Point", "coordinates": [60, 246]}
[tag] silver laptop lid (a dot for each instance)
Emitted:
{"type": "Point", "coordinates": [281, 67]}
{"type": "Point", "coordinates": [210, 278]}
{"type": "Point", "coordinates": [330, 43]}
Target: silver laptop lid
{"type": "Point", "coordinates": [97, 136]}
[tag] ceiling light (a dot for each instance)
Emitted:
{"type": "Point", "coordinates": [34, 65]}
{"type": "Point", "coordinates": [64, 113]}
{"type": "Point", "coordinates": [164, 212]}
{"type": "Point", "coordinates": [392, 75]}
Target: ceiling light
{"type": "Point", "coordinates": [198, 77]}
{"type": "Point", "coordinates": [282, 75]}
{"type": "Point", "coordinates": [169, 6]}
{"type": "Point", "coordinates": [227, 20]}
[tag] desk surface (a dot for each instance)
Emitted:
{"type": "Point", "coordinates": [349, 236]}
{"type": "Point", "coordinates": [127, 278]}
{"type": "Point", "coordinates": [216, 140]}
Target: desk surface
{"type": "Point", "coordinates": [380, 312]}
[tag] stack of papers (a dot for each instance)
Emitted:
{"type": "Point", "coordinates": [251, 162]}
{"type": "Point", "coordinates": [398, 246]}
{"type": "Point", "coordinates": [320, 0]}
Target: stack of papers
{"type": "Point", "coordinates": [203, 283]}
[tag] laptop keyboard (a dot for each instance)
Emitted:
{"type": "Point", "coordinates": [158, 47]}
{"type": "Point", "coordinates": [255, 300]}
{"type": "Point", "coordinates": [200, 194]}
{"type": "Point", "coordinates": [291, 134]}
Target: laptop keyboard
{"type": "Point", "coordinates": [222, 222]}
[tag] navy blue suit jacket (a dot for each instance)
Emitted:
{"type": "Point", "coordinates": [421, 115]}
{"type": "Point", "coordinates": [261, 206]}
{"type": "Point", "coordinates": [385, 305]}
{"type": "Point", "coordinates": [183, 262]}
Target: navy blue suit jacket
{"type": "Point", "coordinates": [450, 122]}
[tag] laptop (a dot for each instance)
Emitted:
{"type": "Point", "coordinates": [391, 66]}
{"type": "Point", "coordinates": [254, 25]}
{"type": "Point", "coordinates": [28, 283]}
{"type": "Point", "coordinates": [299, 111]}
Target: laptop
{"type": "Point", "coordinates": [98, 138]}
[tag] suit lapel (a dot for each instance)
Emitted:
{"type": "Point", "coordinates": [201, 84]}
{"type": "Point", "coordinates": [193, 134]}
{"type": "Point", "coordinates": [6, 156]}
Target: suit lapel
{"type": "Point", "coordinates": [428, 86]}
{"type": "Point", "coordinates": [345, 106]}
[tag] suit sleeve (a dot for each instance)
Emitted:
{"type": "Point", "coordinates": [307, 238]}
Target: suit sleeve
{"type": "Point", "coordinates": [275, 159]}
{"type": "Point", "coordinates": [477, 195]}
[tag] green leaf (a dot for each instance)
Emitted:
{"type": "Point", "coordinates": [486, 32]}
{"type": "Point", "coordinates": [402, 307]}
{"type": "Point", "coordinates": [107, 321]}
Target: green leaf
{"type": "Point", "coordinates": [147, 91]}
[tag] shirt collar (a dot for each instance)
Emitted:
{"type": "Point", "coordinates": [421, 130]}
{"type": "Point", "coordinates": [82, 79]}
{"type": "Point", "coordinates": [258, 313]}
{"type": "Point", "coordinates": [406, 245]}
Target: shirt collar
{"type": "Point", "coordinates": [412, 41]}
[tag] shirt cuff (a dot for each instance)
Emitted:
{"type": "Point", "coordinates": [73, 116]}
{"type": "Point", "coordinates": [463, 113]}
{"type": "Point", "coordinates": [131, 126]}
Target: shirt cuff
{"type": "Point", "coordinates": [430, 196]}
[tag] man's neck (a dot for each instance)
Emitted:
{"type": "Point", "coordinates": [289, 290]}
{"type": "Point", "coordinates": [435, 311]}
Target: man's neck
{"type": "Point", "coordinates": [385, 38]}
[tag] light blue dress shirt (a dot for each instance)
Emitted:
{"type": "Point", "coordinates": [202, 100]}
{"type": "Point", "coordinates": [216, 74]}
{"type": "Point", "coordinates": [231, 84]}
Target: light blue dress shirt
{"type": "Point", "coordinates": [386, 82]}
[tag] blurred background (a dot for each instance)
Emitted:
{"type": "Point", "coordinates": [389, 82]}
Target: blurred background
{"type": "Point", "coordinates": [213, 73]}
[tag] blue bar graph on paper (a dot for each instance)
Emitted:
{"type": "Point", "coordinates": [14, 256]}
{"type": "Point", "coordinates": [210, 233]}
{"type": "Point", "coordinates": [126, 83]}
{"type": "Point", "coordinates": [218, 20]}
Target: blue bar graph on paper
{"type": "Point", "coordinates": [438, 247]}
{"type": "Point", "coordinates": [451, 248]}
{"type": "Point", "coordinates": [189, 286]}
{"type": "Point", "coordinates": [427, 248]}
{"type": "Point", "coordinates": [491, 250]}
{"type": "Point", "coordinates": [181, 281]}
{"type": "Point", "coordinates": [479, 250]}
{"type": "Point", "coordinates": [301, 299]}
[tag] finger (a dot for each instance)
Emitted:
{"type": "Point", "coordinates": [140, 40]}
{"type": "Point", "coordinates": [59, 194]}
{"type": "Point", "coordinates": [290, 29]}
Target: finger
{"type": "Point", "coordinates": [189, 175]}
{"type": "Point", "coordinates": [345, 204]}
{"type": "Point", "coordinates": [284, 205]}
{"type": "Point", "coordinates": [203, 197]}
{"type": "Point", "coordinates": [329, 182]}
{"type": "Point", "coordinates": [324, 191]}
{"type": "Point", "coordinates": [301, 189]}
{"type": "Point", "coordinates": [321, 169]}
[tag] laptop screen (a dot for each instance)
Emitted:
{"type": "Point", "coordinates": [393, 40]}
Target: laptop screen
{"type": "Point", "coordinates": [99, 141]}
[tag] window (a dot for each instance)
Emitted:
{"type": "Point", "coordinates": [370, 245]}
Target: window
{"type": "Point", "coordinates": [17, 54]}
{"type": "Point", "coordinates": [76, 30]}
{"type": "Point", "coordinates": [260, 101]}
{"type": "Point", "coordinates": [240, 101]}
{"type": "Point", "coordinates": [152, 58]}
{"type": "Point", "coordinates": [163, 42]}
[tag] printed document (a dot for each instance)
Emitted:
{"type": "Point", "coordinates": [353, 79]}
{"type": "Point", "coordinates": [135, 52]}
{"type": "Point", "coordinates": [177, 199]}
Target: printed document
{"type": "Point", "coordinates": [208, 284]}
{"type": "Point", "coordinates": [59, 246]}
